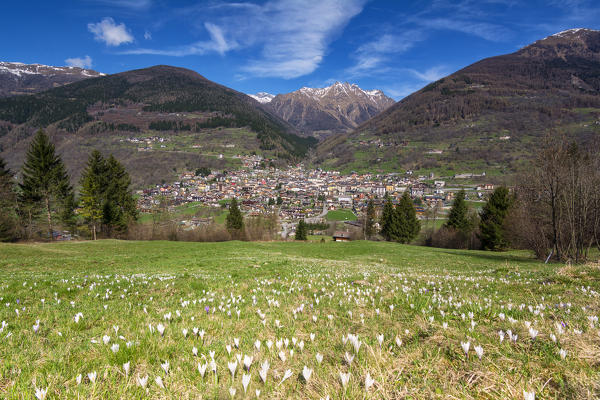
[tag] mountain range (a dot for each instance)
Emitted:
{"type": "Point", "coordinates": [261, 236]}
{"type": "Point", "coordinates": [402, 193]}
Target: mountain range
{"type": "Point", "coordinates": [165, 117]}
{"type": "Point", "coordinates": [18, 78]}
{"type": "Point", "coordinates": [325, 111]}
{"type": "Point", "coordinates": [490, 116]}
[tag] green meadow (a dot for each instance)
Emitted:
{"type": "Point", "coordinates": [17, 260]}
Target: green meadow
{"type": "Point", "coordinates": [359, 320]}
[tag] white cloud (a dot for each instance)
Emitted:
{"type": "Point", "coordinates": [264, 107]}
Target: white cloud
{"type": "Point", "coordinates": [399, 91]}
{"type": "Point", "coordinates": [291, 36]}
{"type": "Point", "coordinates": [431, 74]}
{"type": "Point", "coordinates": [81, 62]}
{"type": "Point", "coordinates": [109, 32]}
{"type": "Point", "coordinates": [131, 4]}
{"type": "Point", "coordinates": [375, 54]}
{"type": "Point", "coordinates": [484, 30]}
{"type": "Point", "coordinates": [217, 44]}
{"type": "Point", "coordinates": [147, 35]}
{"type": "Point", "coordinates": [298, 34]}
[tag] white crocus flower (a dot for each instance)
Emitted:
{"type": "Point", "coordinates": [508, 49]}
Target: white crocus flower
{"type": "Point", "coordinates": [479, 351]}
{"type": "Point", "coordinates": [306, 373]}
{"type": "Point", "coordinates": [319, 357]}
{"type": "Point", "coordinates": [368, 381]}
{"type": "Point", "coordinates": [245, 381]}
{"type": "Point", "coordinates": [202, 369]}
{"type": "Point", "coordinates": [232, 367]}
{"type": "Point", "coordinates": [465, 346]}
{"type": "Point", "coordinates": [286, 375]}
{"type": "Point", "coordinates": [159, 382]}
{"type": "Point", "coordinates": [528, 395]}
{"type": "Point", "coordinates": [344, 378]}
{"type": "Point", "coordinates": [248, 362]}
{"type": "Point", "coordinates": [165, 367]}
{"type": "Point", "coordinates": [40, 393]}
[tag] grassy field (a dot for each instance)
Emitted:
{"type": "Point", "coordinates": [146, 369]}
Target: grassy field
{"type": "Point", "coordinates": [188, 211]}
{"type": "Point", "coordinates": [341, 215]}
{"type": "Point", "coordinates": [391, 317]}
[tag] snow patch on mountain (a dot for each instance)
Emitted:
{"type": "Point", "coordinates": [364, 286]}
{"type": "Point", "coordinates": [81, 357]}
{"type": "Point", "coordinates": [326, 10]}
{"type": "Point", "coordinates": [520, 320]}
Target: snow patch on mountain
{"type": "Point", "coordinates": [19, 69]}
{"type": "Point", "coordinates": [342, 89]}
{"type": "Point", "coordinates": [569, 33]}
{"type": "Point", "coordinates": [262, 97]}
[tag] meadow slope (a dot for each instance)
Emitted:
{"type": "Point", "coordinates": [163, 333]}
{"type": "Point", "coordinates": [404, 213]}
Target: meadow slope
{"type": "Point", "coordinates": [94, 320]}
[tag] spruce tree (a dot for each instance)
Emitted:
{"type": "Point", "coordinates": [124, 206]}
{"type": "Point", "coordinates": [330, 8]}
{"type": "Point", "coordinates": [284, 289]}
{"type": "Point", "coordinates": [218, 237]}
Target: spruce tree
{"type": "Point", "coordinates": [369, 227]}
{"type": "Point", "coordinates": [408, 224]}
{"type": "Point", "coordinates": [106, 199]}
{"type": "Point", "coordinates": [389, 221]}
{"type": "Point", "coordinates": [235, 220]}
{"type": "Point", "coordinates": [494, 212]}
{"type": "Point", "coordinates": [8, 215]}
{"type": "Point", "coordinates": [459, 214]}
{"type": "Point", "coordinates": [45, 185]}
{"type": "Point", "coordinates": [301, 230]}
{"type": "Point", "coordinates": [93, 188]}
{"type": "Point", "coordinates": [120, 206]}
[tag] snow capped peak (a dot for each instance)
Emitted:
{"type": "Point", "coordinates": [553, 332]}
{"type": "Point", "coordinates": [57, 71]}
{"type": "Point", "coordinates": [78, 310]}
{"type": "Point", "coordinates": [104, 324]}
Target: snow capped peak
{"type": "Point", "coordinates": [343, 89]}
{"type": "Point", "coordinates": [262, 97]}
{"type": "Point", "coordinates": [19, 69]}
{"type": "Point", "coordinates": [570, 32]}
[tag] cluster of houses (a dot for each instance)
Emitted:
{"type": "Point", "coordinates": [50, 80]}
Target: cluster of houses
{"type": "Point", "coordinates": [295, 193]}
{"type": "Point", "coordinates": [146, 143]}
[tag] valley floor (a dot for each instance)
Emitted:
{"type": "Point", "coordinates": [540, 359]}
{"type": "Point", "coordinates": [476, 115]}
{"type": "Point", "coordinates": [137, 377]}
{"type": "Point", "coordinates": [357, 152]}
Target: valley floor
{"type": "Point", "coordinates": [344, 320]}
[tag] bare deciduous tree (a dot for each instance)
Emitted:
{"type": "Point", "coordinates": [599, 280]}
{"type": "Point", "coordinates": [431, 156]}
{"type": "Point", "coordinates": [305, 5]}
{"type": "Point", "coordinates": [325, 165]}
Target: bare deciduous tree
{"type": "Point", "coordinates": [557, 210]}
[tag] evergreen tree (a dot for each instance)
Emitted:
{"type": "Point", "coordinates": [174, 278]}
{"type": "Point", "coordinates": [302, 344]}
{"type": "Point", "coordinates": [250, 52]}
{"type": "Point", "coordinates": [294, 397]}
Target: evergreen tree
{"type": "Point", "coordinates": [492, 220]}
{"type": "Point", "coordinates": [120, 205]}
{"type": "Point", "coordinates": [301, 230]}
{"type": "Point", "coordinates": [8, 199]}
{"type": "Point", "coordinates": [93, 187]}
{"type": "Point", "coordinates": [459, 214]}
{"type": "Point", "coordinates": [389, 221]}
{"type": "Point", "coordinates": [369, 227]}
{"type": "Point", "coordinates": [106, 198]}
{"type": "Point", "coordinates": [45, 185]}
{"type": "Point", "coordinates": [235, 220]}
{"type": "Point", "coordinates": [408, 224]}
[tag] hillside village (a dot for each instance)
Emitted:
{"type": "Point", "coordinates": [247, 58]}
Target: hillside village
{"type": "Point", "coordinates": [299, 193]}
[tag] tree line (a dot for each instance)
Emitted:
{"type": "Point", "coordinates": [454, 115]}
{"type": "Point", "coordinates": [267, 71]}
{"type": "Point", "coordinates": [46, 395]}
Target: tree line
{"type": "Point", "coordinates": [553, 210]}
{"type": "Point", "coordinates": [43, 199]}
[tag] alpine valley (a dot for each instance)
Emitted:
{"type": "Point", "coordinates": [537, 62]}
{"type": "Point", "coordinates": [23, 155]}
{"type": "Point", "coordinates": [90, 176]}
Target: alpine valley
{"type": "Point", "coordinates": [488, 117]}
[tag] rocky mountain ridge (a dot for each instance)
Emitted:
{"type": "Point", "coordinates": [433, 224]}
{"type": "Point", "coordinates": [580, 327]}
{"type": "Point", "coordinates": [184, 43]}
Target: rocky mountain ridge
{"type": "Point", "coordinates": [19, 78]}
{"type": "Point", "coordinates": [333, 109]}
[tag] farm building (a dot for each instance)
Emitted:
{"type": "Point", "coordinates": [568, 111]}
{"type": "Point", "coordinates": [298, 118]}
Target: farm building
{"type": "Point", "coordinates": [340, 236]}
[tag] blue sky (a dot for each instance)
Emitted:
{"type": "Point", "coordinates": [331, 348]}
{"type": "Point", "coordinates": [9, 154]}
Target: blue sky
{"type": "Point", "coordinates": [281, 45]}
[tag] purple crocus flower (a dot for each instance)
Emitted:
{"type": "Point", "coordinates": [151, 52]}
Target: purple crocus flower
{"type": "Point", "coordinates": [207, 309]}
